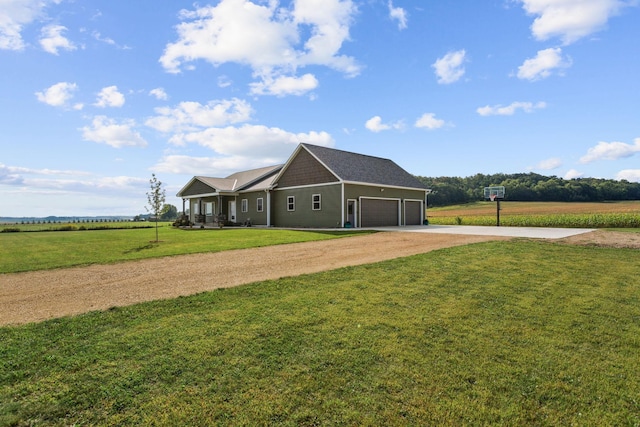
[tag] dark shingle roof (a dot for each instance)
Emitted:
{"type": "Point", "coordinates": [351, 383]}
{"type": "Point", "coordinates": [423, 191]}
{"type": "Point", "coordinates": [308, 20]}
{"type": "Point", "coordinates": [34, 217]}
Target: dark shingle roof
{"type": "Point", "coordinates": [355, 167]}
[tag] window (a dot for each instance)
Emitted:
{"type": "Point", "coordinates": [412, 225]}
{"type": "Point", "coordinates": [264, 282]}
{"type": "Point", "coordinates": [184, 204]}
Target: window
{"type": "Point", "coordinates": [260, 204]}
{"type": "Point", "coordinates": [316, 204]}
{"type": "Point", "coordinates": [291, 203]}
{"type": "Point", "coordinates": [245, 205]}
{"type": "Point", "coordinates": [209, 208]}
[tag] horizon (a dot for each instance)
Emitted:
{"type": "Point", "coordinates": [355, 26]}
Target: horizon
{"type": "Point", "coordinates": [175, 89]}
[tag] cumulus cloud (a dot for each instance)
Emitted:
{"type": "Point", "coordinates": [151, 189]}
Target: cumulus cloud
{"type": "Point", "coordinates": [51, 39]}
{"type": "Point", "coordinates": [631, 175]}
{"type": "Point", "coordinates": [58, 95]}
{"type": "Point", "coordinates": [104, 130]}
{"type": "Point", "coordinates": [548, 164]}
{"type": "Point", "coordinates": [573, 174]}
{"type": "Point", "coordinates": [274, 41]}
{"type": "Point", "coordinates": [570, 20]}
{"type": "Point", "coordinates": [218, 126]}
{"type": "Point", "coordinates": [14, 15]}
{"type": "Point", "coordinates": [429, 121]}
{"type": "Point", "coordinates": [159, 93]}
{"type": "Point", "coordinates": [285, 85]}
{"type": "Point", "coordinates": [398, 14]}
{"type": "Point", "coordinates": [509, 110]}
{"type": "Point", "coordinates": [611, 151]}
{"type": "Point", "coordinates": [110, 97]}
{"type": "Point", "coordinates": [252, 141]}
{"type": "Point", "coordinates": [375, 124]}
{"type": "Point", "coordinates": [449, 68]}
{"type": "Point", "coordinates": [543, 65]}
{"type": "Point", "coordinates": [193, 116]}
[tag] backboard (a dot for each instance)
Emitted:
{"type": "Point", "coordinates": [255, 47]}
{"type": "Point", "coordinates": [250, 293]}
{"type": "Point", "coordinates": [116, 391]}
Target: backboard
{"type": "Point", "coordinates": [492, 193]}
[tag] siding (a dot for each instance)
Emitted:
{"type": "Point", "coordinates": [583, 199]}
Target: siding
{"type": "Point", "coordinates": [304, 216]}
{"type": "Point", "coordinates": [257, 218]}
{"type": "Point", "coordinates": [198, 187]}
{"type": "Point", "coordinates": [304, 169]}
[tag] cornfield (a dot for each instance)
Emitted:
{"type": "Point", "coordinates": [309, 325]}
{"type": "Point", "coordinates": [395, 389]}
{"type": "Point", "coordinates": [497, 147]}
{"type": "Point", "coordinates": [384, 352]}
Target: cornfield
{"type": "Point", "coordinates": [600, 220]}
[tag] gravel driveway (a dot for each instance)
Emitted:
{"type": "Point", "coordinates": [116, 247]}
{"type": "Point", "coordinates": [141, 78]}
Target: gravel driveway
{"type": "Point", "coordinates": [40, 295]}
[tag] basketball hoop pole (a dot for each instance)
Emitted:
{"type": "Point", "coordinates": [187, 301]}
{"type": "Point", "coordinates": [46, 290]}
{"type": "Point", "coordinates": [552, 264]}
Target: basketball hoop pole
{"type": "Point", "coordinates": [497, 212]}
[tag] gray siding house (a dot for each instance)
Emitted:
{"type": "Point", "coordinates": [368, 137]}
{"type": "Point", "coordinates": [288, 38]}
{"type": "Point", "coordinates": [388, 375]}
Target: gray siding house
{"type": "Point", "coordinates": [317, 187]}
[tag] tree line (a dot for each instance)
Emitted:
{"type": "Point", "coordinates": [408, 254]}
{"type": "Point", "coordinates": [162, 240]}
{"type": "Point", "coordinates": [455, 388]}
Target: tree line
{"type": "Point", "coordinates": [529, 187]}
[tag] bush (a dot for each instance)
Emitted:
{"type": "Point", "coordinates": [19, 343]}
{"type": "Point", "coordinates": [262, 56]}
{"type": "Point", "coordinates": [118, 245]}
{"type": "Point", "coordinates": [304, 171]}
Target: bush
{"type": "Point", "coordinates": [10, 230]}
{"type": "Point", "coordinates": [66, 228]}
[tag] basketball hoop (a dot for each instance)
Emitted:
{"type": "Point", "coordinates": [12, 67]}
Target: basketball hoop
{"type": "Point", "coordinates": [493, 197]}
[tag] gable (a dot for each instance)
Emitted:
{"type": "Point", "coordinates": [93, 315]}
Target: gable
{"type": "Point", "coordinates": [196, 187]}
{"type": "Point", "coordinates": [304, 169]}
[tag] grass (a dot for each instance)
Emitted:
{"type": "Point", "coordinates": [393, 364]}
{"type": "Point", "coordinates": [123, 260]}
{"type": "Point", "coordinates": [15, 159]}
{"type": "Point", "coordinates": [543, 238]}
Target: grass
{"type": "Point", "coordinates": [40, 251]}
{"type": "Point", "coordinates": [541, 214]}
{"type": "Point", "coordinates": [500, 333]}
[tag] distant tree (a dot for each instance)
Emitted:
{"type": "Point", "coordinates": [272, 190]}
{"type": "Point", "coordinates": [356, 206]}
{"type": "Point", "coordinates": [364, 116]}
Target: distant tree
{"type": "Point", "coordinates": [168, 212]}
{"type": "Point", "coordinates": [156, 198]}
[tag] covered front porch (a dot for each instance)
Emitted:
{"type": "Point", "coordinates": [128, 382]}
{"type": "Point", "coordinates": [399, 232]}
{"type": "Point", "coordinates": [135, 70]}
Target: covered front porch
{"type": "Point", "coordinates": [213, 210]}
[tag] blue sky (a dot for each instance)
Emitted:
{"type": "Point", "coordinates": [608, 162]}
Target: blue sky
{"type": "Point", "coordinates": [98, 95]}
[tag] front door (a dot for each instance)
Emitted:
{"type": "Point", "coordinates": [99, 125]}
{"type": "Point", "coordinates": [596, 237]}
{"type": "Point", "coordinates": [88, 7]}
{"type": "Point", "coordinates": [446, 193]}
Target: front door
{"type": "Point", "coordinates": [232, 210]}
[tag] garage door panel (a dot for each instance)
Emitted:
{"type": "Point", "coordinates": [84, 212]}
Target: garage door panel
{"type": "Point", "coordinates": [379, 212]}
{"type": "Point", "coordinates": [412, 213]}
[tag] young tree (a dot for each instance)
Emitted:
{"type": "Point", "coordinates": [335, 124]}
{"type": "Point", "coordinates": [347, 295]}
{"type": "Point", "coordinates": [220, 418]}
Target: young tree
{"type": "Point", "coordinates": [156, 198]}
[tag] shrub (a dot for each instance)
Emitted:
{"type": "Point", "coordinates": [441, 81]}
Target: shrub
{"type": "Point", "coordinates": [10, 230]}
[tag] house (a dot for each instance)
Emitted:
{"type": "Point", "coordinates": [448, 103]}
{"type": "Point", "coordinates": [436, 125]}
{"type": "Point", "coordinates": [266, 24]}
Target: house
{"type": "Point", "coordinates": [317, 187]}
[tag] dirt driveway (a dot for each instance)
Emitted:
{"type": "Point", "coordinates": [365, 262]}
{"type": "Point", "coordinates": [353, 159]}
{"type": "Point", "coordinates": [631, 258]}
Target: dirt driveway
{"type": "Point", "coordinates": [40, 295]}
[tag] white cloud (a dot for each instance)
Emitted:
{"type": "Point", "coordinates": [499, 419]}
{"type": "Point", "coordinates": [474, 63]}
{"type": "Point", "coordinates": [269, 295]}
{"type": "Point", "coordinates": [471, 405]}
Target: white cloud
{"type": "Point", "coordinates": [14, 15]}
{"type": "Point", "coordinates": [375, 124]}
{"type": "Point", "coordinates": [110, 97]}
{"type": "Point", "coordinates": [429, 121]}
{"type": "Point", "coordinates": [58, 94]}
{"type": "Point", "coordinates": [449, 68]}
{"type": "Point", "coordinates": [611, 151]}
{"type": "Point", "coordinates": [631, 175]}
{"type": "Point", "coordinates": [268, 38]}
{"type": "Point", "coordinates": [224, 81]}
{"type": "Point", "coordinates": [548, 164]}
{"type": "Point", "coordinates": [211, 166]}
{"type": "Point", "coordinates": [573, 174]}
{"type": "Point", "coordinates": [570, 20]}
{"type": "Point", "coordinates": [159, 93]}
{"type": "Point", "coordinates": [192, 116]}
{"type": "Point", "coordinates": [545, 62]}
{"type": "Point", "coordinates": [285, 85]}
{"type": "Point", "coordinates": [509, 110]}
{"type": "Point", "coordinates": [256, 142]}
{"type": "Point", "coordinates": [51, 39]}
{"type": "Point", "coordinates": [399, 14]}
{"type": "Point", "coordinates": [107, 131]}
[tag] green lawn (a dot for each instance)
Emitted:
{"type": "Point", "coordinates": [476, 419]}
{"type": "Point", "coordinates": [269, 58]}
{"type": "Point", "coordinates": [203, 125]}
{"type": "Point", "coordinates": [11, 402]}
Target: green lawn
{"type": "Point", "coordinates": [27, 251]}
{"type": "Point", "coordinates": [500, 333]}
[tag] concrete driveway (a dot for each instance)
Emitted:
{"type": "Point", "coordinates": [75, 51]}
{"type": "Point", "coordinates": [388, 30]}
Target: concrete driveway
{"type": "Point", "coordinates": [530, 232]}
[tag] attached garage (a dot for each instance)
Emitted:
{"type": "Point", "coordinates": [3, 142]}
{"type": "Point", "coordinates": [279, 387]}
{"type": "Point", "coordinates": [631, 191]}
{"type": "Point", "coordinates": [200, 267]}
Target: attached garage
{"type": "Point", "coordinates": [379, 212]}
{"type": "Point", "coordinates": [412, 212]}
